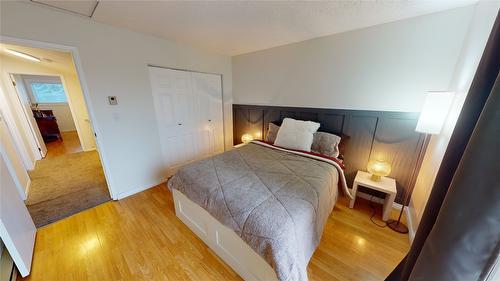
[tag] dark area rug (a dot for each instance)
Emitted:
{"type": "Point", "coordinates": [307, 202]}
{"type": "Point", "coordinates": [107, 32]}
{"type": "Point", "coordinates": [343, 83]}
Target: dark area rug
{"type": "Point", "coordinates": [64, 185]}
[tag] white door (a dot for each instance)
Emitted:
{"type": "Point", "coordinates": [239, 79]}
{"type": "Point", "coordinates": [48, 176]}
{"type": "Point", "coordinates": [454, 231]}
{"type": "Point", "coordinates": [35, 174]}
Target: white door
{"type": "Point", "coordinates": [174, 105]}
{"type": "Point", "coordinates": [25, 101]}
{"type": "Point", "coordinates": [208, 89]}
{"type": "Point", "coordinates": [17, 230]}
{"type": "Point", "coordinates": [188, 108]}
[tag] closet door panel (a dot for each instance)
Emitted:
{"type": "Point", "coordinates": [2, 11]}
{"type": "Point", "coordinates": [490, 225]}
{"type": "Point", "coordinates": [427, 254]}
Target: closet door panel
{"type": "Point", "coordinates": [217, 115]}
{"type": "Point", "coordinates": [208, 88]}
{"type": "Point", "coordinates": [179, 151]}
{"type": "Point", "coordinates": [173, 99]}
{"type": "Point", "coordinates": [203, 143]}
{"type": "Point", "coordinates": [174, 102]}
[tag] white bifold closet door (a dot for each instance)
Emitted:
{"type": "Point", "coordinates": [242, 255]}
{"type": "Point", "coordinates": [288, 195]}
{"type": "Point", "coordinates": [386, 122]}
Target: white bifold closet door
{"type": "Point", "coordinates": [189, 113]}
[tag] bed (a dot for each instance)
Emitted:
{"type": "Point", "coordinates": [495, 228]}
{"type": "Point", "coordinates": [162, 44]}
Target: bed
{"type": "Point", "coordinates": [261, 208]}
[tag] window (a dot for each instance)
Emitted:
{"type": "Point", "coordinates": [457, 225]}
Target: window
{"type": "Point", "coordinates": [48, 92]}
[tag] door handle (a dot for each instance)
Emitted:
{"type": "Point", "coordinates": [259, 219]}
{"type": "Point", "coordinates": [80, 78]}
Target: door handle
{"type": "Point", "coordinates": [180, 124]}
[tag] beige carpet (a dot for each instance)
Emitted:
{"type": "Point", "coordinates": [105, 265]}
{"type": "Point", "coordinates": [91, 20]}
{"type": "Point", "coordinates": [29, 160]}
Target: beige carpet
{"type": "Point", "coordinates": [65, 185]}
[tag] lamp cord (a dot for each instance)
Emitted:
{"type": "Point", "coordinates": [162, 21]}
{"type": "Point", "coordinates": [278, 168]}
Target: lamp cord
{"type": "Point", "coordinates": [374, 212]}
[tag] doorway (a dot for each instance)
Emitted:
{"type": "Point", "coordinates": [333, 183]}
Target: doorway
{"type": "Point", "coordinates": [45, 105]}
{"type": "Point", "coordinates": [50, 115]}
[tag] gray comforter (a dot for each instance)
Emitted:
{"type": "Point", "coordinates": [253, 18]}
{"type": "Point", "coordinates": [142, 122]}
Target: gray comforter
{"type": "Point", "coordinates": [276, 201]}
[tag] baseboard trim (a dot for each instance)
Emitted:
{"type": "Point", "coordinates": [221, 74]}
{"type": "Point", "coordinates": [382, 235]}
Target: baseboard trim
{"type": "Point", "coordinates": [412, 219]}
{"type": "Point", "coordinates": [27, 188]}
{"type": "Point", "coordinates": [137, 190]}
{"type": "Point", "coordinates": [409, 220]}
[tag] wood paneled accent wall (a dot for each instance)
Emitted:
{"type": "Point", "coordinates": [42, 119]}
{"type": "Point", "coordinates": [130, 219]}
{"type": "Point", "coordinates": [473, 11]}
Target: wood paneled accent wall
{"type": "Point", "coordinates": [372, 135]}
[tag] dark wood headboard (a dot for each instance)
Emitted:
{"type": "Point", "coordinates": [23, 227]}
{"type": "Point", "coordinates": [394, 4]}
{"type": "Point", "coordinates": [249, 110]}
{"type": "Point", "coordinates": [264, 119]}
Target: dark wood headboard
{"type": "Point", "coordinates": [373, 135]}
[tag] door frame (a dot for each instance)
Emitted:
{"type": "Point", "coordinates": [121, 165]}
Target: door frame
{"type": "Point", "coordinates": [86, 96]}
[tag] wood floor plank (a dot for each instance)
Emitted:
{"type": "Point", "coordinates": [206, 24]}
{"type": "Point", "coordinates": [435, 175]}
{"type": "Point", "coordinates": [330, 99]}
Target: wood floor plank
{"type": "Point", "coordinates": [140, 238]}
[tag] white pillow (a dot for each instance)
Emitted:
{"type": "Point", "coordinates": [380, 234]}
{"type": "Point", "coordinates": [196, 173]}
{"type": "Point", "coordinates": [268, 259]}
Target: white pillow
{"type": "Point", "coordinates": [296, 134]}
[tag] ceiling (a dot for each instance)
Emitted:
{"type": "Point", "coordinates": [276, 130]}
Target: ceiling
{"type": "Point", "coordinates": [56, 60]}
{"type": "Point", "coordinates": [83, 8]}
{"type": "Point", "coordinates": [237, 27]}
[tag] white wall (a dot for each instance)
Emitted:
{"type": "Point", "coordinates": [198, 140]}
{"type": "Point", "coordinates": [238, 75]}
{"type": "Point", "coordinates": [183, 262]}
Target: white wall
{"type": "Point", "coordinates": [476, 38]}
{"type": "Point", "coordinates": [384, 67]}
{"type": "Point", "coordinates": [79, 111]}
{"type": "Point", "coordinates": [114, 62]}
{"type": "Point", "coordinates": [62, 114]}
{"type": "Point", "coordinates": [13, 159]}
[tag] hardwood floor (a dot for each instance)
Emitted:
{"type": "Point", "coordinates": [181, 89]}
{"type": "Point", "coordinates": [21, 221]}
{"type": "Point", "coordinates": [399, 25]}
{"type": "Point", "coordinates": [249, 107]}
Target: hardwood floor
{"type": "Point", "coordinates": [140, 238]}
{"type": "Point", "coordinates": [70, 144]}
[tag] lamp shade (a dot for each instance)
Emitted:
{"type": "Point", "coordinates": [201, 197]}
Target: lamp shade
{"type": "Point", "coordinates": [378, 168]}
{"type": "Point", "coordinates": [246, 138]}
{"type": "Point", "coordinates": [434, 112]}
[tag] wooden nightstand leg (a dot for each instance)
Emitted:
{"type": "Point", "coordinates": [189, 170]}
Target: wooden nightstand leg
{"type": "Point", "coordinates": [354, 191]}
{"type": "Point", "coordinates": [388, 202]}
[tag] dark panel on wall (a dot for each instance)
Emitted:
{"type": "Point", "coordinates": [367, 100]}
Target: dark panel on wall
{"type": "Point", "coordinates": [288, 114]}
{"type": "Point", "coordinates": [299, 115]}
{"type": "Point", "coordinates": [360, 129]}
{"type": "Point", "coordinates": [240, 123]}
{"type": "Point", "coordinates": [332, 123]}
{"type": "Point", "coordinates": [397, 142]}
{"type": "Point", "coordinates": [255, 122]}
{"type": "Point", "coordinates": [372, 134]}
{"type": "Point", "coordinates": [308, 116]}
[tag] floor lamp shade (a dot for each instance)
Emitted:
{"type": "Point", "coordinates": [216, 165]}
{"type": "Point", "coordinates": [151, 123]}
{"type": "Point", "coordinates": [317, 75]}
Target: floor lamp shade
{"type": "Point", "coordinates": [434, 112]}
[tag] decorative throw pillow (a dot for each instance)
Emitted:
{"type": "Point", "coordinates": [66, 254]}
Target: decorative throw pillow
{"type": "Point", "coordinates": [326, 144]}
{"type": "Point", "coordinates": [296, 134]}
{"type": "Point", "coordinates": [272, 132]}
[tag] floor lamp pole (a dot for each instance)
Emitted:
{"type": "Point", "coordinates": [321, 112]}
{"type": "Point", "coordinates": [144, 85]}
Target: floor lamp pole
{"type": "Point", "coordinates": [397, 225]}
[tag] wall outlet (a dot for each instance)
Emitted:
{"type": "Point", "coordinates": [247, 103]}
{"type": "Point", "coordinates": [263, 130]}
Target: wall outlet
{"type": "Point", "coordinates": [112, 100]}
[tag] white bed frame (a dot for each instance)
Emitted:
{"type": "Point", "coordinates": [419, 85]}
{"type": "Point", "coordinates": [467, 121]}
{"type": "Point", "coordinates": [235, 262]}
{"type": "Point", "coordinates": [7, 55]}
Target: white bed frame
{"type": "Point", "coordinates": [222, 240]}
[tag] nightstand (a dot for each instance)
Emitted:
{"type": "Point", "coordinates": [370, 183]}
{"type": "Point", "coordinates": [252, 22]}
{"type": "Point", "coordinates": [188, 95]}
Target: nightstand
{"type": "Point", "coordinates": [385, 185]}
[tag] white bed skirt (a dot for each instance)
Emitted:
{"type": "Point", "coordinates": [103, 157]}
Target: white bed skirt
{"type": "Point", "coordinates": [222, 240]}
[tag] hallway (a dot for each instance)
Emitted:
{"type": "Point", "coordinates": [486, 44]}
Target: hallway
{"type": "Point", "coordinates": [66, 181]}
{"type": "Point", "coordinates": [70, 144]}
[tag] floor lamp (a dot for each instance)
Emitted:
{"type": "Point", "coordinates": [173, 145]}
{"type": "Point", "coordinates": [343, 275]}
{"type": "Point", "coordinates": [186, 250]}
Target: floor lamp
{"type": "Point", "coordinates": [430, 122]}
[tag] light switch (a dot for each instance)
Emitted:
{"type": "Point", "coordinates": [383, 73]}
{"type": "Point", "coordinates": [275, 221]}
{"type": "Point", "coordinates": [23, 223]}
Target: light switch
{"type": "Point", "coordinates": [112, 100]}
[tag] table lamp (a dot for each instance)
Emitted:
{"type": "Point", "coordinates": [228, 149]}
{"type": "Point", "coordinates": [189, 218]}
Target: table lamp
{"type": "Point", "coordinates": [378, 169]}
{"type": "Point", "coordinates": [246, 138]}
